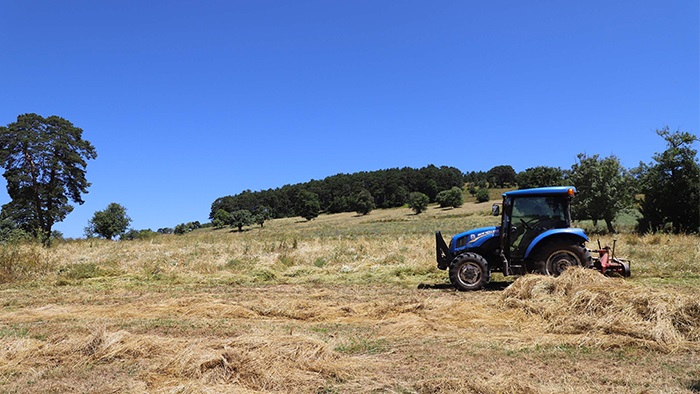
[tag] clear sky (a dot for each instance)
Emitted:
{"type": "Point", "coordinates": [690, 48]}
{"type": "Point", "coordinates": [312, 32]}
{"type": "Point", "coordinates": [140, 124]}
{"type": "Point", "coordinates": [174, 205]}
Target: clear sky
{"type": "Point", "coordinates": [187, 101]}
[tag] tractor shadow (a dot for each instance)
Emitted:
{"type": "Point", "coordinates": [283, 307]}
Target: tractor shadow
{"type": "Point", "coordinates": [491, 286]}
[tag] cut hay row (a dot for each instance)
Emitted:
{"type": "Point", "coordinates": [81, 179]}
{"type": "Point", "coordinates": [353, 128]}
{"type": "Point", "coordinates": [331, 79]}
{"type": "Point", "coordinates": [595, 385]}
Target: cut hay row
{"type": "Point", "coordinates": [582, 301]}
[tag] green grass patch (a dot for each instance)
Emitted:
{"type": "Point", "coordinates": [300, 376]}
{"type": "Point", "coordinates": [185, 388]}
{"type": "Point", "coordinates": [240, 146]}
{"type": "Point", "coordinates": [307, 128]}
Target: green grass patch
{"type": "Point", "coordinates": [361, 345]}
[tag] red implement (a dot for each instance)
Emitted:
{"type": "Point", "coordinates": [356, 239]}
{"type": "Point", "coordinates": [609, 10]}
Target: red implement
{"type": "Point", "coordinates": [608, 264]}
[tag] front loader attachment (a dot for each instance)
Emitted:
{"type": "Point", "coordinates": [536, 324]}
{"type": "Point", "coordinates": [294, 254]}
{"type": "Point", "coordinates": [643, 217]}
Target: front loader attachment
{"type": "Point", "coordinates": [442, 252]}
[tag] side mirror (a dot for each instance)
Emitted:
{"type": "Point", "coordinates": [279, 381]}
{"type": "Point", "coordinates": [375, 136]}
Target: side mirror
{"type": "Point", "coordinates": [495, 210]}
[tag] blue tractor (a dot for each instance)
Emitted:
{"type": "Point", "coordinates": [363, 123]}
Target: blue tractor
{"type": "Point", "coordinates": [535, 236]}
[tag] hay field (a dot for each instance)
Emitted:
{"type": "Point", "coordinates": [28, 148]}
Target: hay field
{"type": "Point", "coordinates": [341, 304]}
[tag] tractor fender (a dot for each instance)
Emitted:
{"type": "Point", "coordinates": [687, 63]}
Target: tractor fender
{"type": "Point", "coordinates": [576, 233]}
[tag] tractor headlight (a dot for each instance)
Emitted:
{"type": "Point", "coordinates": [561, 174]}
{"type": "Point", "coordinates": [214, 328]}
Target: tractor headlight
{"type": "Point", "coordinates": [461, 242]}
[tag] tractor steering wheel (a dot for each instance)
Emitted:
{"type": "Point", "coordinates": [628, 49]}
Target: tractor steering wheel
{"type": "Point", "coordinates": [526, 224]}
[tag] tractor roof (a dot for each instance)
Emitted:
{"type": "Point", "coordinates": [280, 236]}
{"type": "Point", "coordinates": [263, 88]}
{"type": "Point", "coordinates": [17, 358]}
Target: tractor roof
{"type": "Point", "coordinates": [542, 191]}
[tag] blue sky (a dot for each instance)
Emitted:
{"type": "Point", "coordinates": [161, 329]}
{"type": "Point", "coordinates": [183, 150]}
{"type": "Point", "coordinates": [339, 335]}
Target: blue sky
{"type": "Point", "coordinates": [187, 101]}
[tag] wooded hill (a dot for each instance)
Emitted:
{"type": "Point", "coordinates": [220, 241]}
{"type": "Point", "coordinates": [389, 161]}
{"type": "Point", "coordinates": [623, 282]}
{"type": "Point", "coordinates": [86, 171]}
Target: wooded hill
{"type": "Point", "coordinates": [389, 188]}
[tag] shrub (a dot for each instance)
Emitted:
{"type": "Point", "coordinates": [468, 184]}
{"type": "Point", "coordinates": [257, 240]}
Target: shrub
{"type": "Point", "coordinates": [482, 195]}
{"type": "Point", "coordinates": [450, 198]}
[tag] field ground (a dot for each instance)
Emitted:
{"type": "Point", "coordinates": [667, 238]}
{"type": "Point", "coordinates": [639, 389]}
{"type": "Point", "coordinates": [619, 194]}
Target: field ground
{"type": "Point", "coordinates": [344, 303]}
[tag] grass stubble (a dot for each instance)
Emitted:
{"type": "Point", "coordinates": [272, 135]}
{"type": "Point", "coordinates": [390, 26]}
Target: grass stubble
{"type": "Point", "coordinates": [344, 303]}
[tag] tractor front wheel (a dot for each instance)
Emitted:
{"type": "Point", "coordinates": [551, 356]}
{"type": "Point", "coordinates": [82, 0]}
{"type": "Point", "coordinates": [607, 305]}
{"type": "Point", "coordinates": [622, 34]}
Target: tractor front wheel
{"type": "Point", "coordinates": [557, 257]}
{"type": "Point", "coordinates": [469, 271]}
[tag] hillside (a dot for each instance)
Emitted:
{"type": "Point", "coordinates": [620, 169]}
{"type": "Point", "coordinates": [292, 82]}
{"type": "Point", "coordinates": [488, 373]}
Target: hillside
{"type": "Point", "coordinates": [343, 303]}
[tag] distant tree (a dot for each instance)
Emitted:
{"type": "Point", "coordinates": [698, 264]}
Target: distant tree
{"type": "Point", "coordinates": [184, 228]}
{"type": "Point", "coordinates": [221, 219]}
{"type": "Point", "coordinates": [671, 186]}
{"type": "Point", "coordinates": [308, 205]}
{"type": "Point", "coordinates": [482, 195]}
{"type": "Point", "coordinates": [181, 229]}
{"type": "Point", "coordinates": [241, 218]}
{"type": "Point", "coordinates": [500, 176]}
{"type": "Point", "coordinates": [450, 198]}
{"type": "Point", "coordinates": [604, 189]}
{"type": "Point", "coordinates": [57, 236]}
{"type": "Point", "coordinates": [418, 202]}
{"type": "Point", "coordinates": [363, 202]}
{"type": "Point", "coordinates": [539, 177]}
{"type": "Point", "coordinates": [44, 161]}
{"type": "Point", "coordinates": [109, 223]}
{"type": "Point", "coordinates": [165, 230]}
{"type": "Point", "coordinates": [132, 234]}
{"type": "Point", "coordinates": [261, 215]}
{"type": "Point", "coordinates": [10, 232]}
{"type": "Point", "coordinates": [339, 204]}
{"type": "Point", "coordinates": [474, 177]}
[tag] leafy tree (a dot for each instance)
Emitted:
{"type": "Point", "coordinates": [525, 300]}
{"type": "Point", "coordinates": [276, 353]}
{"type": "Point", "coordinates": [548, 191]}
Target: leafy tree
{"type": "Point", "coordinates": [261, 215]}
{"type": "Point", "coordinates": [184, 228]}
{"type": "Point", "coordinates": [450, 198]}
{"type": "Point", "coordinates": [501, 176]}
{"type": "Point", "coordinates": [181, 229]}
{"type": "Point", "coordinates": [221, 219]}
{"type": "Point", "coordinates": [339, 204]}
{"type": "Point", "coordinates": [418, 202]}
{"type": "Point", "coordinates": [308, 205]}
{"type": "Point", "coordinates": [671, 186]}
{"type": "Point", "coordinates": [539, 177]}
{"type": "Point", "coordinates": [363, 202]}
{"type": "Point", "coordinates": [109, 223]}
{"type": "Point", "coordinates": [241, 218]}
{"type": "Point", "coordinates": [44, 161]}
{"type": "Point", "coordinates": [132, 234]}
{"type": "Point", "coordinates": [9, 232]}
{"type": "Point", "coordinates": [165, 230]}
{"type": "Point", "coordinates": [474, 177]}
{"type": "Point", "coordinates": [482, 195]}
{"type": "Point", "coordinates": [604, 189]}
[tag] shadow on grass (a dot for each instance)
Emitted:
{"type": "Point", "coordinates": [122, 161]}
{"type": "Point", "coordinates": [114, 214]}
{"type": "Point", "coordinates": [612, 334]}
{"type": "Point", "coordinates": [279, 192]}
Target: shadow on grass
{"type": "Point", "coordinates": [491, 286]}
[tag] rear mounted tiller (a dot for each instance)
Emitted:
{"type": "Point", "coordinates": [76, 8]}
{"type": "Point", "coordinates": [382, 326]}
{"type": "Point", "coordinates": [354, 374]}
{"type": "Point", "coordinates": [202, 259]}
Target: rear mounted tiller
{"type": "Point", "coordinates": [608, 264]}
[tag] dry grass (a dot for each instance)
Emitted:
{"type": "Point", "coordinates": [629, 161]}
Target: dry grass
{"type": "Point", "coordinates": [344, 303]}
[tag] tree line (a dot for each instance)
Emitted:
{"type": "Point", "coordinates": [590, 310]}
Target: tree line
{"type": "Point", "coordinates": [359, 192]}
{"type": "Point", "coordinates": [45, 163]}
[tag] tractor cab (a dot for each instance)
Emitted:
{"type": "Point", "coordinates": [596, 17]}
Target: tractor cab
{"type": "Point", "coordinates": [530, 216]}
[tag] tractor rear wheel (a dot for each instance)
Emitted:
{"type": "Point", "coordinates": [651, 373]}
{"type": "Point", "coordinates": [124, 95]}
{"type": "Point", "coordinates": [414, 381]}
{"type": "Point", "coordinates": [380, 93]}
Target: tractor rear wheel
{"type": "Point", "coordinates": [556, 257]}
{"type": "Point", "coordinates": [469, 271]}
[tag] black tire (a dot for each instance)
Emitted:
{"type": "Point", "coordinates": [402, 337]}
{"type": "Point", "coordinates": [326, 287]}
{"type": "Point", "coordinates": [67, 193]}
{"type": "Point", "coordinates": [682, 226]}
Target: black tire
{"type": "Point", "coordinates": [557, 256]}
{"type": "Point", "coordinates": [469, 271]}
{"type": "Point", "coordinates": [627, 272]}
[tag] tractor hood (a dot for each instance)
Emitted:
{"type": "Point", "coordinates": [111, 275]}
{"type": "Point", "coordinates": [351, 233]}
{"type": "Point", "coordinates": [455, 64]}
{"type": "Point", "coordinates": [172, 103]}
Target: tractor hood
{"type": "Point", "coordinates": [473, 238]}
